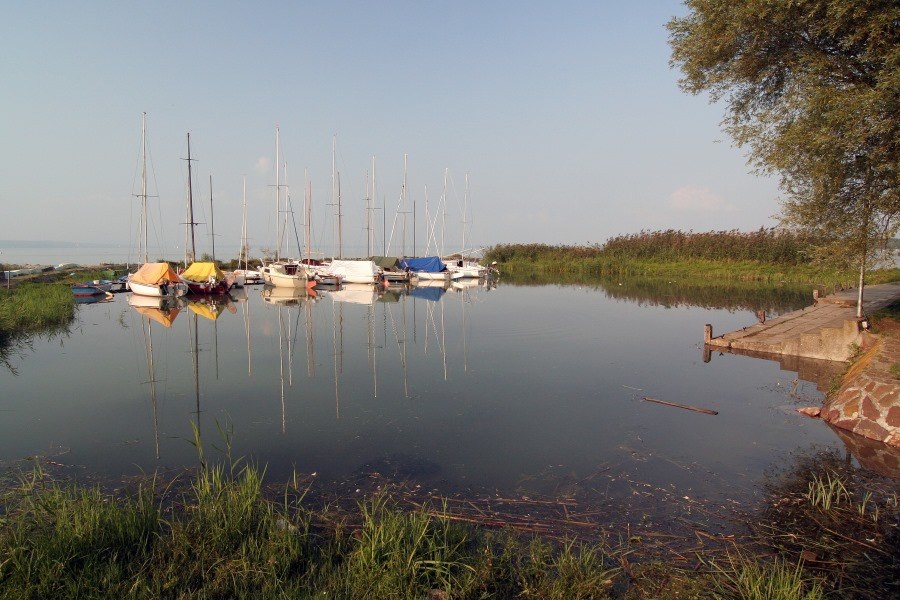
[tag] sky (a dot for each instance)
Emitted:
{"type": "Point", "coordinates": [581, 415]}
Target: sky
{"type": "Point", "coordinates": [566, 118]}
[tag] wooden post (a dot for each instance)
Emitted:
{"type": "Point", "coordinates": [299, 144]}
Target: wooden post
{"type": "Point", "coordinates": [815, 294]}
{"type": "Point", "coordinates": [707, 333]}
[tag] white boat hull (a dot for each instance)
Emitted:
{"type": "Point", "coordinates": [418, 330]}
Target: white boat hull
{"type": "Point", "coordinates": [152, 290]}
{"type": "Point", "coordinates": [441, 276]}
{"type": "Point", "coordinates": [276, 275]}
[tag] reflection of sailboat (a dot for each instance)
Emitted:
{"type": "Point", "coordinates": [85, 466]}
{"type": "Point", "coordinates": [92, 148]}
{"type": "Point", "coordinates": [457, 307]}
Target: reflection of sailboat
{"type": "Point", "coordinates": [161, 310]}
{"type": "Point", "coordinates": [287, 295]}
{"type": "Point", "coordinates": [211, 308]}
{"type": "Point", "coordinates": [164, 314]}
{"type": "Point", "coordinates": [433, 296]}
{"type": "Point", "coordinates": [355, 293]}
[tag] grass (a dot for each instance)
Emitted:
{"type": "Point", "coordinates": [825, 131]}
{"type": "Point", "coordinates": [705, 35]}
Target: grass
{"type": "Point", "coordinates": [219, 535]}
{"type": "Point", "coordinates": [749, 579]}
{"type": "Point", "coordinates": [32, 307]}
{"type": "Point", "coordinates": [221, 539]}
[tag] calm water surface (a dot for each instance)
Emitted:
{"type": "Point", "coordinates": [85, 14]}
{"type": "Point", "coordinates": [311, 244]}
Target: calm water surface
{"type": "Point", "coordinates": [515, 389]}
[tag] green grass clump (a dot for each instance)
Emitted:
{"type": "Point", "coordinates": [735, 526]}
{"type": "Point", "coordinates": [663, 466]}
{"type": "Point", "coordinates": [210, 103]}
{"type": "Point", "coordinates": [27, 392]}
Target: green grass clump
{"type": "Point", "coordinates": [32, 307]}
{"type": "Point", "coordinates": [748, 579]}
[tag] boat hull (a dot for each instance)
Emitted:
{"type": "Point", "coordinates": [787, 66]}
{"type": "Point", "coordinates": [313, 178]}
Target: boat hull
{"type": "Point", "coordinates": [286, 275]}
{"type": "Point", "coordinates": [153, 290]}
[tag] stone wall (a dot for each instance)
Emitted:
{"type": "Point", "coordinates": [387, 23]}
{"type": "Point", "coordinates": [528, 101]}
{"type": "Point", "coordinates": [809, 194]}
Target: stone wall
{"type": "Point", "coordinates": [868, 401]}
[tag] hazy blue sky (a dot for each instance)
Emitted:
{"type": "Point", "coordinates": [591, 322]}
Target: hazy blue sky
{"type": "Point", "coordinates": [565, 115]}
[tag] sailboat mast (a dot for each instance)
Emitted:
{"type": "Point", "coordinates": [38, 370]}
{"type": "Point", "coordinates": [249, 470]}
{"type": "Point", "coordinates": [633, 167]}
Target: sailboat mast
{"type": "Point", "coordinates": [368, 219]}
{"type": "Point", "coordinates": [277, 190]}
{"type": "Point", "coordinates": [244, 250]}
{"type": "Point", "coordinates": [333, 177]}
{"type": "Point", "coordinates": [340, 220]}
{"type": "Point", "coordinates": [462, 251]}
{"type": "Point", "coordinates": [308, 215]}
{"type": "Point", "coordinates": [405, 209]}
{"type": "Point", "coordinates": [443, 209]}
{"type": "Point", "coordinates": [144, 186]}
{"type": "Point", "coordinates": [191, 222]}
{"type": "Point", "coordinates": [212, 221]}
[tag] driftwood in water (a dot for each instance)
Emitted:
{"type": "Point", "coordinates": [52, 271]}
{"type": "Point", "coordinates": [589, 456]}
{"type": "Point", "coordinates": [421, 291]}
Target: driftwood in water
{"type": "Point", "coordinates": [705, 411]}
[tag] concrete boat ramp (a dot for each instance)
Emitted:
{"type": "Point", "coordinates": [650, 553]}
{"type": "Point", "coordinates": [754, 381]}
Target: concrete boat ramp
{"type": "Point", "coordinates": [827, 330]}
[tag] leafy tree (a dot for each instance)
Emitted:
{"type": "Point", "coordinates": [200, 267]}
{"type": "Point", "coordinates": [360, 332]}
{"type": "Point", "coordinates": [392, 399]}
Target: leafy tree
{"type": "Point", "coordinates": [812, 88]}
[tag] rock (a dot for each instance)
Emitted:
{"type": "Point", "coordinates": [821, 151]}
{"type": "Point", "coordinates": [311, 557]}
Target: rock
{"type": "Point", "coordinates": [809, 411]}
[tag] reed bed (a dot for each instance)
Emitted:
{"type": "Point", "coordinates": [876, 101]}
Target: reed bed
{"type": "Point", "coordinates": [766, 255]}
{"type": "Point", "coordinates": [32, 307]}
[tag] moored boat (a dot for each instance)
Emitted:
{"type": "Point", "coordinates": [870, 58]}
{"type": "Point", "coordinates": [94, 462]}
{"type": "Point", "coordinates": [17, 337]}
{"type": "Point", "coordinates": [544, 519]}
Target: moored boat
{"type": "Point", "coordinates": [97, 287]}
{"type": "Point", "coordinates": [206, 278]}
{"type": "Point", "coordinates": [429, 268]}
{"type": "Point", "coordinates": [156, 280]}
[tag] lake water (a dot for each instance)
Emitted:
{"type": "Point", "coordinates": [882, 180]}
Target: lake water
{"type": "Point", "coordinates": [515, 389]}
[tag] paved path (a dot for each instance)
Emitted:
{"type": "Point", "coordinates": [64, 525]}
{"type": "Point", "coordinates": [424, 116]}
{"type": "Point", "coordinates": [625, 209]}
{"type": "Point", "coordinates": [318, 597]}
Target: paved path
{"type": "Point", "coordinates": [824, 330]}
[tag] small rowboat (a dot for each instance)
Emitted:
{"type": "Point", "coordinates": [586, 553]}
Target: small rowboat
{"type": "Point", "coordinates": [98, 287]}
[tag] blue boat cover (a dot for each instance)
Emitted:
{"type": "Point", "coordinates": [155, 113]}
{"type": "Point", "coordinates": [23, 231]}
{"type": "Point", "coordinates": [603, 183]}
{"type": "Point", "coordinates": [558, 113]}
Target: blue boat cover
{"type": "Point", "coordinates": [432, 294]}
{"type": "Point", "coordinates": [427, 264]}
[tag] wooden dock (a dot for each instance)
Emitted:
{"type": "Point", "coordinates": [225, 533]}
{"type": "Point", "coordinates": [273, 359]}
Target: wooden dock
{"type": "Point", "coordinates": [826, 330]}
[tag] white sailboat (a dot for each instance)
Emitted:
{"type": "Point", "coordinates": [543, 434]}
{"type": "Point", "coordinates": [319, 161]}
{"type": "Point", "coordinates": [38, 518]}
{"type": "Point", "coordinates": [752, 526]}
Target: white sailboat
{"type": "Point", "coordinates": [283, 272]}
{"type": "Point", "coordinates": [157, 280]}
{"type": "Point", "coordinates": [244, 272]}
{"type": "Point", "coordinates": [465, 268]}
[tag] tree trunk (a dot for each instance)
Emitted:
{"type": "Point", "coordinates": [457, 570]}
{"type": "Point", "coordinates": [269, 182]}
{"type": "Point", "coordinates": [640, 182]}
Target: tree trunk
{"type": "Point", "coordinates": [862, 282]}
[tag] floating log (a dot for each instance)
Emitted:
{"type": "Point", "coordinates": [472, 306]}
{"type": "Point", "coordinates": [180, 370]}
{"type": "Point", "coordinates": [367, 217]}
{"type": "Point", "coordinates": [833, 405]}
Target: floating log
{"type": "Point", "coordinates": [705, 411]}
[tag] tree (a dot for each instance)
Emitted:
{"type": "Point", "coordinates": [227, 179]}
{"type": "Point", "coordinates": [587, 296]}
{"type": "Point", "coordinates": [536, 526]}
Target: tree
{"type": "Point", "coordinates": [812, 89]}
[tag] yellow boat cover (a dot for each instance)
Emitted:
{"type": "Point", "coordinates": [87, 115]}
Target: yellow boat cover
{"type": "Point", "coordinates": [165, 318]}
{"type": "Point", "coordinates": [155, 273]}
{"type": "Point", "coordinates": [202, 272]}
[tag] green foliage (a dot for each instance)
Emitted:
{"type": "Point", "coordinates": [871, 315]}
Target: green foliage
{"type": "Point", "coordinates": [812, 87]}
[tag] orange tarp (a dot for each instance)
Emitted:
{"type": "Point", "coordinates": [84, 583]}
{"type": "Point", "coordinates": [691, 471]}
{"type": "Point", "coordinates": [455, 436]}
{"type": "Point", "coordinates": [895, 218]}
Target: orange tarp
{"type": "Point", "coordinates": [155, 273]}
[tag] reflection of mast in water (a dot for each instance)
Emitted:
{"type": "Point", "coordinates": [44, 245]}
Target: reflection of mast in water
{"type": "Point", "coordinates": [337, 323]}
{"type": "Point", "coordinates": [154, 309]}
{"type": "Point", "coordinates": [310, 346]}
{"type": "Point", "coordinates": [284, 335]}
{"type": "Point", "coordinates": [401, 343]}
{"type": "Point", "coordinates": [429, 317]}
{"type": "Point", "coordinates": [195, 357]}
{"type": "Point", "coordinates": [211, 309]}
{"type": "Point", "coordinates": [151, 379]}
{"type": "Point", "coordinates": [464, 298]}
{"type": "Point", "coordinates": [370, 333]}
{"type": "Point", "coordinates": [245, 311]}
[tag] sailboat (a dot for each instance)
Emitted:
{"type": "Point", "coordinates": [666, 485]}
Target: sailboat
{"type": "Point", "coordinates": [281, 272]}
{"type": "Point", "coordinates": [202, 277]}
{"type": "Point", "coordinates": [159, 279]}
{"type": "Point", "coordinates": [464, 268]}
{"type": "Point", "coordinates": [249, 275]}
{"type": "Point", "coordinates": [349, 271]}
